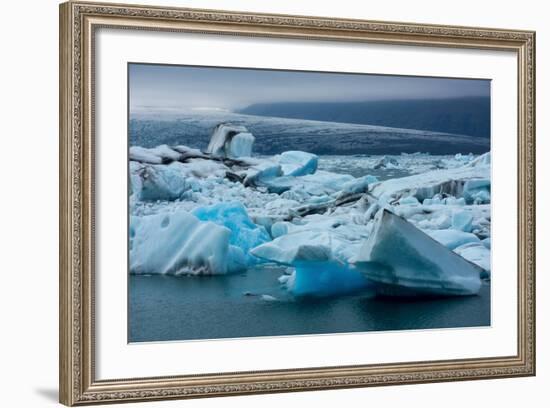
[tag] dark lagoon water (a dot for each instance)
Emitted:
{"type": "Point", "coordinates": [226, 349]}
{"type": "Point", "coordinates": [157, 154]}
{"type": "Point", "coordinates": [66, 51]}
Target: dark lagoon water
{"type": "Point", "coordinates": [165, 308]}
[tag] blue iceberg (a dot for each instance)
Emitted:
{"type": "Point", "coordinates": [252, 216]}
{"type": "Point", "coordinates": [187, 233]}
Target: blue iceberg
{"type": "Point", "coordinates": [233, 216]}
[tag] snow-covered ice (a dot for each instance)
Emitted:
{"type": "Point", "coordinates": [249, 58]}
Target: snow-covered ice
{"type": "Point", "coordinates": [180, 243]}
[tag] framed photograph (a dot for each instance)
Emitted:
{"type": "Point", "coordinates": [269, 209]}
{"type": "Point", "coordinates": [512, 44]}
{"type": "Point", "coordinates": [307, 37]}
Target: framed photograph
{"type": "Point", "coordinates": [256, 203]}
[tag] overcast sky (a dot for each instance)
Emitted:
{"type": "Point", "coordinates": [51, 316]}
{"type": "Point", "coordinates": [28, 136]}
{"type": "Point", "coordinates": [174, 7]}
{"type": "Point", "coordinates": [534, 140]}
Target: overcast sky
{"type": "Point", "coordinates": [183, 87]}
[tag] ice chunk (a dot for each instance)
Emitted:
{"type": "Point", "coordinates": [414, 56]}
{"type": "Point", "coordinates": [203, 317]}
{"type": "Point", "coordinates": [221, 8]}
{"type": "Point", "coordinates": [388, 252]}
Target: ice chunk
{"type": "Point", "coordinates": [324, 182]}
{"type": "Point", "coordinates": [477, 253]}
{"type": "Point", "coordinates": [279, 228]}
{"type": "Point", "coordinates": [462, 221]}
{"type": "Point", "coordinates": [359, 185]}
{"type": "Point", "coordinates": [426, 185]}
{"type": "Point", "coordinates": [487, 242]}
{"type": "Point", "coordinates": [403, 260]}
{"type": "Point", "coordinates": [179, 243]}
{"type": "Point", "coordinates": [162, 154]}
{"type": "Point", "coordinates": [386, 162]}
{"type": "Point", "coordinates": [305, 245]}
{"type": "Point", "coordinates": [477, 191]}
{"type": "Point", "coordinates": [410, 200]}
{"type": "Point", "coordinates": [268, 298]}
{"type": "Point", "coordinates": [277, 185]}
{"type": "Point", "coordinates": [241, 145]}
{"type": "Point", "coordinates": [483, 160]}
{"type": "Point", "coordinates": [325, 278]}
{"type": "Point", "coordinates": [166, 153]}
{"type": "Point", "coordinates": [158, 182]}
{"type": "Point", "coordinates": [233, 215]}
{"type": "Point", "coordinates": [452, 238]}
{"type": "Point", "coordinates": [297, 163]}
{"type": "Point", "coordinates": [229, 140]}
{"type": "Point", "coordinates": [261, 172]}
{"type": "Point", "coordinates": [201, 168]}
{"type": "Point", "coordinates": [143, 155]}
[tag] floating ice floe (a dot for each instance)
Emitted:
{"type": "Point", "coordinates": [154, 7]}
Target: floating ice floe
{"type": "Point", "coordinates": [477, 253]}
{"type": "Point", "coordinates": [451, 238]}
{"type": "Point", "coordinates": [403, 260]}
{"type": "Point", "coordinates": [157, 182]}
{"type": "Point", "coordinates": [300, 246]}
{"type": "Point", "coordinates": [450, 182]}
{"type": "Point", "coordinates": [229, 140]}
{"type": "Point", "coordinates": [296, 163]}
{"type": "Point", "coordinates": [325, 279]}
{"type": "Point", "coordinates": [179, 243]}
{"type": "Point", "coordinates": [320, 262]}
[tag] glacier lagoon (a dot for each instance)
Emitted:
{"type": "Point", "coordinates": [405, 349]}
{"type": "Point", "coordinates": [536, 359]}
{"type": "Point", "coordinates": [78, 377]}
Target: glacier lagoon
{"type": "Point", "coordinates": [165, 308]}
{"type": "Point", "coordinates": [226, 243]}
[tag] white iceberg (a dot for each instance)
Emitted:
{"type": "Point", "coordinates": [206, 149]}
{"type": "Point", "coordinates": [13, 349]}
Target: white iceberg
{"type": "Point", "coordinates": [477, 253]}
{"type": "Point", "coordinates": [179, 243]}
{"type": "Point", "coordinates": [360, 185]}
{"type": "Point", "coordinates": [453, 238]}
{"type": "Point", "coordinates": [157, 182]}
{"type": "Point", "coordinates": [449, 182]}
{"type": "Point", "coordinates": [299, 246]}
{"type": "Point", "coordinates": [230, 141]}
{"type": "Point", "coordinates": [462, 221]}
{"type": "Point", "coordinates": [297, 163]}
{"type": "Point", "coordinates": [403, 260]}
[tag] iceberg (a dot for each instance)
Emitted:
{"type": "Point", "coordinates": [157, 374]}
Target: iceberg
{"type": "Point", "coordinates": [262, 171]}
{"type": "Point", "coordinates": [477, 253]}
{"type": "Point", "coordinates": [297, 163]}
{"type": "Point", "coordinates": [244, 234]}
{"type": "Point", "coordinates": [299, 246]}
{"type": "Point", "coordinates": [151, 182]}
{"type": "Point", "coordinates": [462, 221]}
{"type": "Point", "coordinates": [179, 243]}
{"type": "Point", "coordinates": [324, 279]}
{"type": "Point", "coordinates": [162, 154]}
{"type": "Point", "coordinates": [360, 185]}
{"type": "Point", "coordinates": [477, 191]}
{"type": "Point", "coordinates": [231, 141]}
{"type": "Point", "coordinates": [404, 261]}
{"type": "Point", "coordinates": [445, 182]}
{"type": "Point", "coordinates": [453, 238]}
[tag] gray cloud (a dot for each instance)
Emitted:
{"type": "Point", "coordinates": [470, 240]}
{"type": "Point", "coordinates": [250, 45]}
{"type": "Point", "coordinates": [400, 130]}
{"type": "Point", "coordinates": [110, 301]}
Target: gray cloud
{"type": "Point", "coordinates": [184, 87]}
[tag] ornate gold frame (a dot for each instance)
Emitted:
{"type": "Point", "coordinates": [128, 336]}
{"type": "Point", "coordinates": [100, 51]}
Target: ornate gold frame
{"type": "Point", "coordinates": [78, 21]}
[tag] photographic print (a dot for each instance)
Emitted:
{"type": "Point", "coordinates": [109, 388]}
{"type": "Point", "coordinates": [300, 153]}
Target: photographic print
{"type": "Point", "coordinates": [275, 202]}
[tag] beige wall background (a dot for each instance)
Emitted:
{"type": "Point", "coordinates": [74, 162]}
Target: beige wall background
{"type": "Point", "coordinates": [28, 203]}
